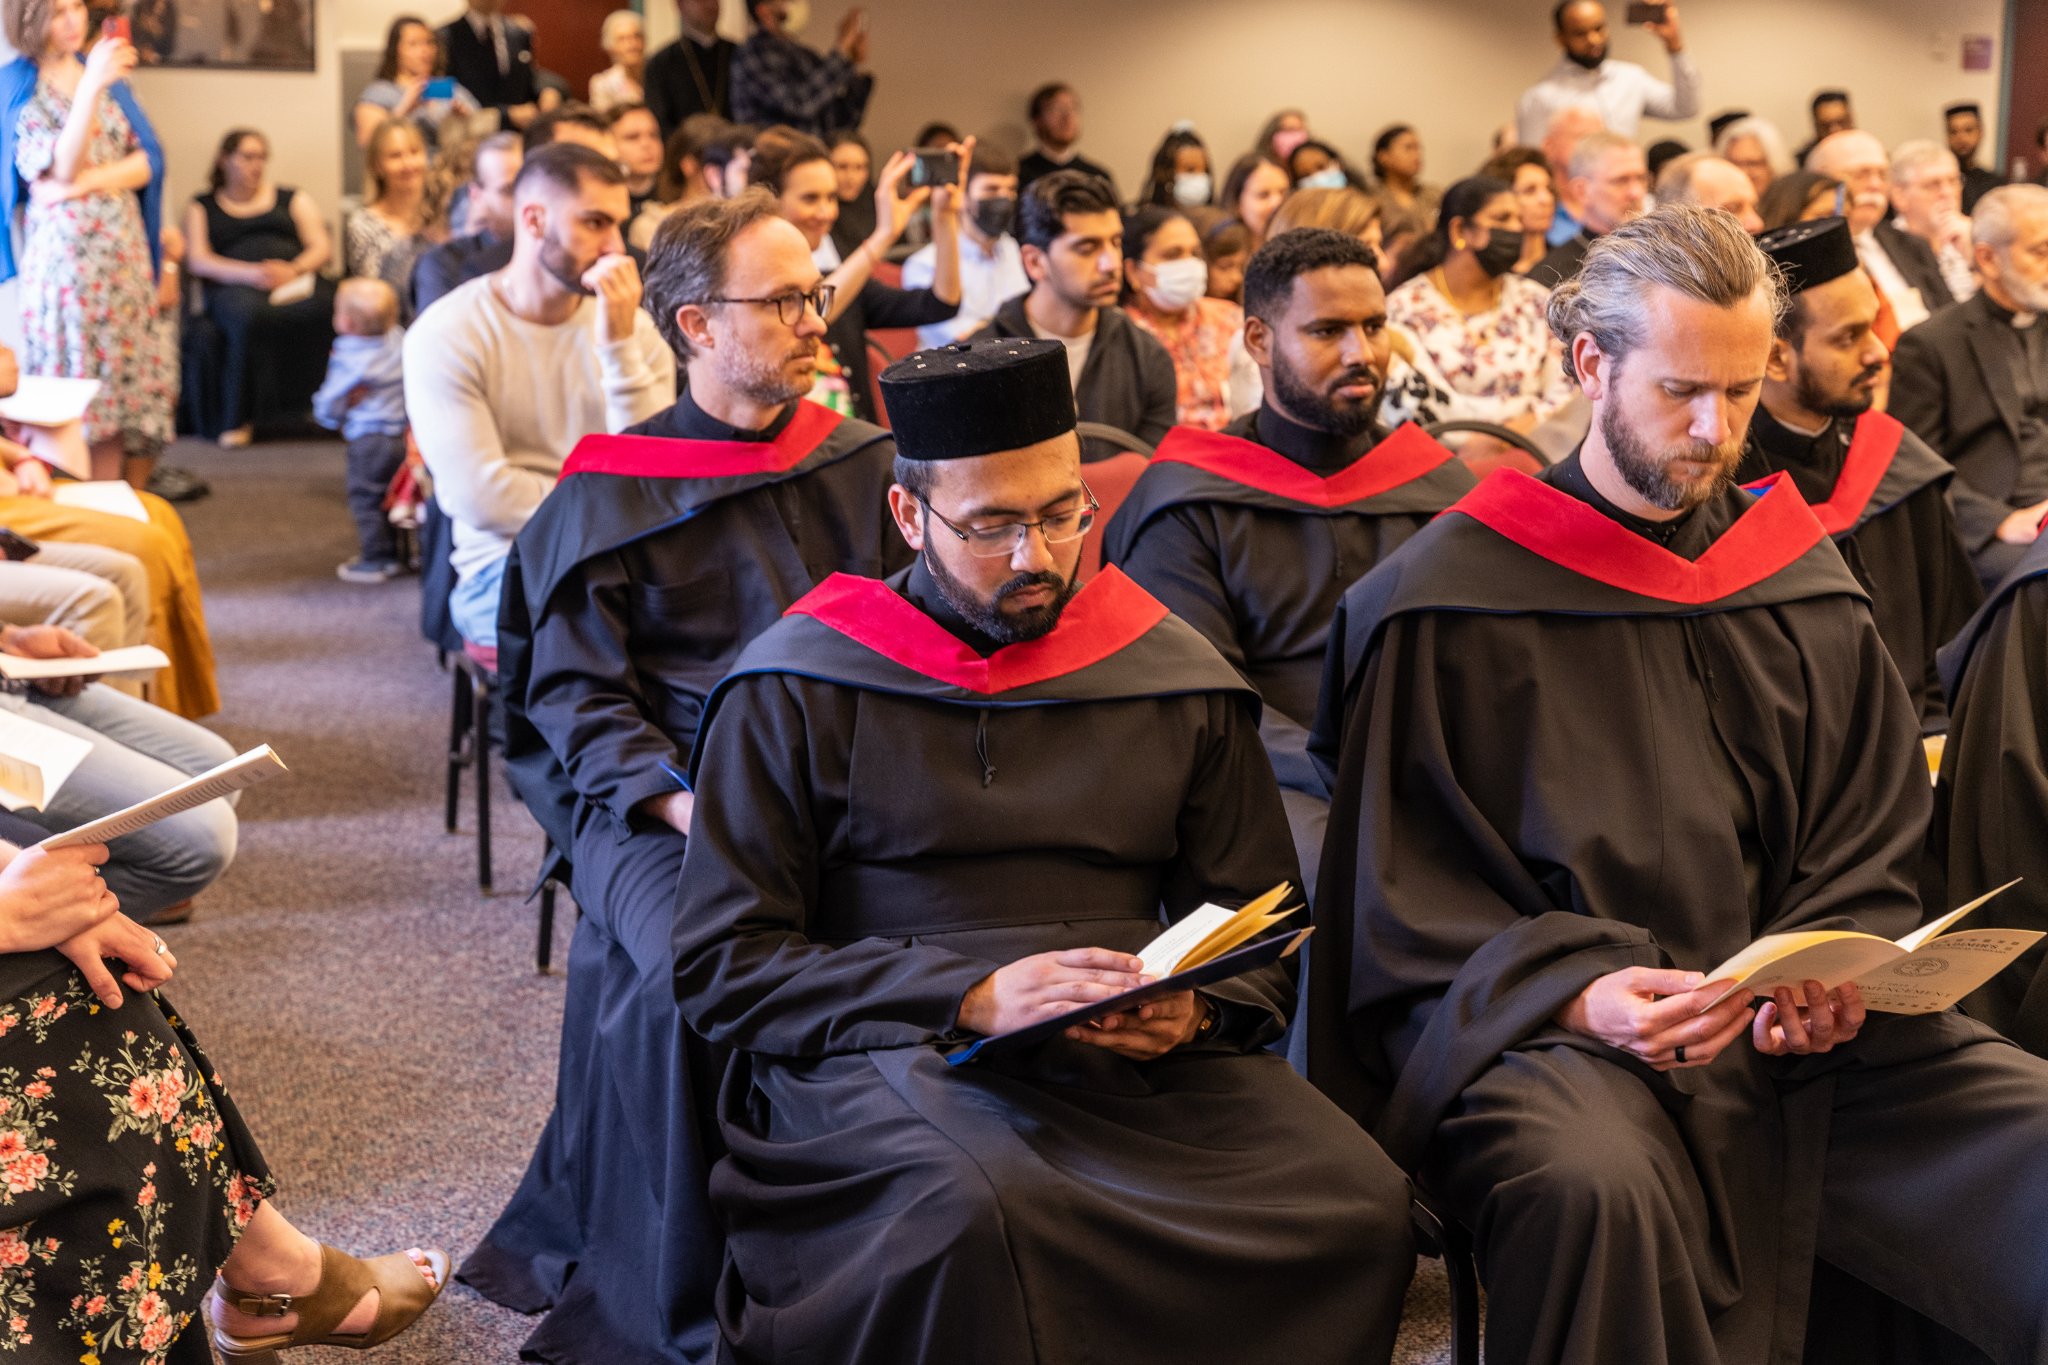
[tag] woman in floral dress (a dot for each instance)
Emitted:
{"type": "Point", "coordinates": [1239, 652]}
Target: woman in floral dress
{"type": "Point", "coordinates": [127, 1179]}
{"type": "Point", "coordinates": [88, 288]}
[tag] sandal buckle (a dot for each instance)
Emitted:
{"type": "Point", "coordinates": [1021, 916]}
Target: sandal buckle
{"type": "Point", "coordinates": [264, 1305]}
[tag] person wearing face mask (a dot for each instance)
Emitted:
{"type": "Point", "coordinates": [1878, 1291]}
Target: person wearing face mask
{"type": "Point", "coordinates": [1318, 166]}
{"type": "Point", "coordinates": [1165, 280]}
{"type": "Point", "coordinates": [1283, 132]}
{"type": "Point", "coordinates": [1483, 325]}
{"type": "Point", "coordinates": [1180, 177]}
{"type": "Point", "coordinates": [1623, 93]}
{"type": "Point", "coordinates": [991, 264]}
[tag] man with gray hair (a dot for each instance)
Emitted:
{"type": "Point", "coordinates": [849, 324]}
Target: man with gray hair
{"type": "Point", "coordinates": [1567, 128]}
{"type": "Point", "coordinates": [1590, 735]}
{"type": "Point", "coordinates": [1927, 196]}
{"type": "Point", "coordinates": [1705, 179]}
{"type": "Point", "coordinates": [1904, 266]}
{"type": "Point", "coordinates": [660, 553]}
{"type": "Point", "coordinates": [1606, 181]}
{"type": "Point", "coordinates": [1973, 383]}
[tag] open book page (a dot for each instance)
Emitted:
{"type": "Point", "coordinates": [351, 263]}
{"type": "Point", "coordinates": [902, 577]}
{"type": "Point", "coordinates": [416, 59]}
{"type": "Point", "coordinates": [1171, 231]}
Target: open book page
{"type": "Point", "coordinates": [1944, 971]}
{"type": "Point", "coordinates": [35, 760]}
{"type": "Point", "coordinates": [110, 496]}
{"type": "Point", "coordinates": [1210, 931]}
{"type": "Point", "coordinates": [42, 400]}
{"type": "Point", "coordinates": [232, 776]}
{"type": "Point", "coordinates": [134, 659]}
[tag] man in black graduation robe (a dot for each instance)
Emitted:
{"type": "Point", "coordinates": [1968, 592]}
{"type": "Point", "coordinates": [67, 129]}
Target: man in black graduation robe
{"type": "Point", "coordinates": [1592, 735]}
{"type": "Point", "coordinates": [943, 806]}
{"type": "Point", "coordinates": [660, 553]}
{"type": "Point", "coordinates": [1878, 489]}
{"type": "Point", "coordinates": [1252, 534]}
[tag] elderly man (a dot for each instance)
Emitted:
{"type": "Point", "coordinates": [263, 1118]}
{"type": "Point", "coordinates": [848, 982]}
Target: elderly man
{"type": "Point", "coordinates": [1904, 266]}
{"type": "Point", "coordinates": [1606, 183]}
{"type": "Point", "coordinates": [1927, 194]}
{"type": "Point", "coordinates": [1593, 734]}
{"type": "Point", "coordinates": [1755, 147]}
{"type": "Point", "coordinates": [1622, 92]}
{"type": "Point", "coordinates": [1705, 179]}
{"type": "Point", "coordinates": [953, 804]}
{"type": "Point", "coordinates": [1973, 383]}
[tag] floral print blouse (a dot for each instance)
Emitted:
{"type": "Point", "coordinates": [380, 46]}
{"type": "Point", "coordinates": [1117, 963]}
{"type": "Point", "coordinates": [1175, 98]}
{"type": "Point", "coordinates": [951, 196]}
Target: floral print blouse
{"type": "Point", "coordinates": [1502, 364]}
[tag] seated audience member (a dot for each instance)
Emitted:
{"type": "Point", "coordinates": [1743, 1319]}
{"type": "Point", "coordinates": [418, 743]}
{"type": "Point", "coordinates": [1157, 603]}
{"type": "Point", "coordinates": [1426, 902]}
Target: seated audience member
{"type": "Point", "coordinates": [693, 74]}
{"type": "Point", "coordinates": [99, 595]}
{"type": "Point", "coordinates": [1227, 245]}
{"type": "Point", "coordinates": [399, 222]}
{"type": "Point", "coordinates": [1800, 197]}
{"type": "Point", "coordinates": [1831, 115]}
{"type": "Point", "coordinates": [1405, 202]}
{"type": "Point", "coordinates": [682, 181]}
{"type": "Point", "coordinates": [1072, 238]}
{"type": "Point", "coordinates": [1904, 267]}
{"type": "Point", "coordinates": [1756, 148]}
{"type": "Point", "coordinates": [1319, 166]}
{"type": "Point", "coordinates": [796, 169]}
{"type": "Point", "coordinates": [991, 264]}
{"type": "Point", "coordinates": [726, 158]}
{"type": "Point", "coordinates": [509, 371]}
{"type": "Point", "coordinates": [1527, 172]}
{"type": "Point", "coordinates": [1705, 179]}
{"type": "Point", "coordinates": [487, 246]}
{"type": "Point", "coordinates": [570, 122]}
{"type": "Point", "coordinates": [1973, 383]}
{"type": "Point", "coordinates": [1055, 112]}
{"type": "Point", "coordinates": [413, 59]}
{"type": "Point", "coordinates": [853, 168]}
{"type": "Point", "coordinates": [624, 39]}
{"type": "Point", "coordinates": [1927, 196]}
{"type": "Point", "coordinates": [637, 137]}
{"type": "Point", "coordinates": [1607, 182]}
{"type": "Point", "coordinates": [1253, 190]}
{"type": "Point", "coordinates": [1351, 212]}
{"type": "Point", "coordinates": [629, 594]}
{"type": "Point", "coordinates": [1282, 133]}
{"type": "Point", "coordinates": [364, 398]}
{"type": "Point", "coordinates": [1523, 1012]}
{"type": "Point", "coordinates": [777, 80]}
{"type": "Point", "coordinates": [1483, 326]}
{"type": "Point", "coordinates": [193, 1188]}
{"type": "Point", "coordinates": [1181, 176]}
{"type": "Point", "coordinates": [1658, 155]}
{"type": "Point", "coordinates": [1623, 93]}
{"type": "Point", "coordinates": [1964, 124]}
{"type": "Point", "coordinates": [933, 1213]}
{"type": "Point", "coordinates": [247, 238]}
{"type": "Point", "coordinates": [491, 56]}
{"type": "Point", "coordinates": [1166, 281]}
{"type": "Point", "coordinates": [1252, 535]}
{"type": "Point", "coordinates": [1568, 127]}
{"type": "Point", "coordinates": [1879, 490]}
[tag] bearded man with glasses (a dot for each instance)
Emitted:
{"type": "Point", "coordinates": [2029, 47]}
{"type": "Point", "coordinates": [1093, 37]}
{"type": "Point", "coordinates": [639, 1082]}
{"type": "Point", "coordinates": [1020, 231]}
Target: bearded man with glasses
{"type": "Point", "coordinates": [658, 556]}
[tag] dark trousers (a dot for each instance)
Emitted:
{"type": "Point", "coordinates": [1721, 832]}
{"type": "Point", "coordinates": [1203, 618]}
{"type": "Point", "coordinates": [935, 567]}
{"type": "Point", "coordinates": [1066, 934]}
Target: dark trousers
{"type": "Point", "coordinates": [275, 357]}
{"type": "Point", "coordinates": [373, 461]}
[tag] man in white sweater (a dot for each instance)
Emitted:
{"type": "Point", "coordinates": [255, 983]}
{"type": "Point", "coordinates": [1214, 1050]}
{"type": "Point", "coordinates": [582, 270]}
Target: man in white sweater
{"type": "Point", "coordinates": [507, 372]}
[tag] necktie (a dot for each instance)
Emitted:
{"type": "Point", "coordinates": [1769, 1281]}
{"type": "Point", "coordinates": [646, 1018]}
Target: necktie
{"type": "Point", "coordinates": [498, 45]}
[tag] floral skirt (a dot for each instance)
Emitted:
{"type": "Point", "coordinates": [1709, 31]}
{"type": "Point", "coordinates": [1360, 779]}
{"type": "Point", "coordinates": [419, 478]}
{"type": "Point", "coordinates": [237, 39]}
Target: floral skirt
{"type": "Point", "coordinates": [125, 1173]}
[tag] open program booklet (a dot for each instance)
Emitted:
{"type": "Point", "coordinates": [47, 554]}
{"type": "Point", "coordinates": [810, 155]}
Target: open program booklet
{"type": "Point", "coordinates": [1203, 947]}
{"type": "Point", "coordinates": [245, 770]}
{"type": "Point", "coordinates": [1929, 969]}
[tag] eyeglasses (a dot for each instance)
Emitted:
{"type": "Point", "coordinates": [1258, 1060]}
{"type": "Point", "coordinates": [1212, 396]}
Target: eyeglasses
{"type": "Point", "coordinates": [790, 304]}
{"type": "Point", "coordinates": [1058, 529]}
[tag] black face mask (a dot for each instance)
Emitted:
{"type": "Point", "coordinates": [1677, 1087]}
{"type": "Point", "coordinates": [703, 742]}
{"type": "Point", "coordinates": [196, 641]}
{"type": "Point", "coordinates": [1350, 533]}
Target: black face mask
{"type": "Point", "coordinates": [994, 216]}
{"type": "Point", "coordinates": [1498, 256]}
{"type": "Point", "coordinates": [1590, 60]}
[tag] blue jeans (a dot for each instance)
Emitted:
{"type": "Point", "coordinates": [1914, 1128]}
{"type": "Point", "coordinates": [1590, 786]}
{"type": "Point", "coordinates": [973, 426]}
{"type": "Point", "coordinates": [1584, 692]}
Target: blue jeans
{"type": "Point", "coordinates": [138, 750]}
{"type": "Point", "coordinates": [473, 606]}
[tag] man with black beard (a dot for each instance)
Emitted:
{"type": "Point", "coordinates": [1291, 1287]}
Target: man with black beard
{"type": "Point", "coordinates": [952, 804]}
{"type": "Point", "coordinates": [1593, 734]}
{"type": "Point", "coordinates": [508, 372]}
{"type": "Point", "coordinates": [1621, 92]}
{"type": "Point", "coordinates": [1877, 488]}
{"type": "Point", "coordinates": [1251, 534]}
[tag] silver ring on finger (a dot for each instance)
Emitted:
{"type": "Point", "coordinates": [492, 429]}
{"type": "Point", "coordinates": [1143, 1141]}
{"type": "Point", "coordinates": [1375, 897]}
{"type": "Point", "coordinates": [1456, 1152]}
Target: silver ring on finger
{"type": "Point", "coordinates": [1680, 1054]}
{"type": "Point", "coordinates": [160, 948]}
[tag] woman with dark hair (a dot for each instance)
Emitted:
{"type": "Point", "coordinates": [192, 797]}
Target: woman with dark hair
{"type": "Point", "coordinates": [1483, 326]}
{"type": "Point", "coordinates": [1798, 197]}
{"type": "Point", "coordinates": [1166, 282]}
{"type": "Point", "coordinates": [1181, 176]}
{"type": "Point", "coordinates": [413, 60]}
{"type": "Point", "coordinates": [1319, 166]}
{"type": "Point", "coordinates": [1535, 188]}
{"type": "Point", "coordinates": [1397, 177]}
{"type": "Point", "coordinates": [1227, 245]}
{"type": "Point", "coordinates": [853, 166]}
{"type": "Point", "coordinates": [797, 169]}
{"type": "Point", "coordinates": [252, 240]}
{"type": "Point", "coordinates": [1253, 191]}
{"type": "Point", "coordinates": [1282, 133]}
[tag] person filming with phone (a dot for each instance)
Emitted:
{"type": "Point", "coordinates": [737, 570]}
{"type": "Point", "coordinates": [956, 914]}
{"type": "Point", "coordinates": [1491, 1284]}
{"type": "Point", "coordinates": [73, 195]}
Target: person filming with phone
{"type": "Point", "coordinates": [1624, 93]}
{"type": "Point", "coordinates": [776, 79]}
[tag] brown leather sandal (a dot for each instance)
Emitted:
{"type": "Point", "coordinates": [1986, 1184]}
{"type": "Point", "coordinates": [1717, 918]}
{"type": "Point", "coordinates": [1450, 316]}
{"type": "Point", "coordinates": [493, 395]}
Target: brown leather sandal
{"type": "Point", "coordinates": [403, 1293]}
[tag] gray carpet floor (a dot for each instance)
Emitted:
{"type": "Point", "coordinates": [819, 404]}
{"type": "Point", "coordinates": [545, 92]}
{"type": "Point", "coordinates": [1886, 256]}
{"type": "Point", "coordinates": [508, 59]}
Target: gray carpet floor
{"type": "Point", "coordinates": [378, 1020]}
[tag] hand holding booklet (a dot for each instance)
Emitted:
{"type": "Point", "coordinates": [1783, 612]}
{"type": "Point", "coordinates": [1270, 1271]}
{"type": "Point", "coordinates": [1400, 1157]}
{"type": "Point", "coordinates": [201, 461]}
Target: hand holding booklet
{"type": "Point", "coordinates": [134, 659]}
{"type": "Point", "coordinates": [246, 770]}
{"type": "Point", "coordinates": [1203, 947]}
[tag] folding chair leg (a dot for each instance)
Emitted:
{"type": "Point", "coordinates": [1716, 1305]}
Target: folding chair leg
{"type": "Point", "coordinates": [458, 738]}
{"type": "Point", "coordinates": [481, 739]}
{"type": "Point", "coordinates": [545, 954]}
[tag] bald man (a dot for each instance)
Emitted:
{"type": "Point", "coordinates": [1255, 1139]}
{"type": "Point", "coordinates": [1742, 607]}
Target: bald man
{"type": "Point", "coordinates": [1903, 266]}
{"type": "Point", "coordinates": [1713, 183]}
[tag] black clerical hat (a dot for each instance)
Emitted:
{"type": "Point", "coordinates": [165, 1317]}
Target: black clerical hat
{"type": "Point", "coordinates": [978, 398]}
{"type": "Point", "coordinates": [1722, 120]}
{"type": "Point", "coordinates": [1812, 253]}
{"type": "Point", "coordinates": [1964, 107]}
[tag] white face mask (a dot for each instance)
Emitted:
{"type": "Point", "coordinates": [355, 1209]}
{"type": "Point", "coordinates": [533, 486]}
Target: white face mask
{"type": "Point", "coordinates": [1191, 189]}
{"type": "Point", "coordinates": [1177, 284]}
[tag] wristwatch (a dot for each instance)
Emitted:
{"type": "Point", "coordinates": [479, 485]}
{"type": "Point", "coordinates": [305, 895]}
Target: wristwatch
{"type": "Point", "coordinates": [1211, 1017]}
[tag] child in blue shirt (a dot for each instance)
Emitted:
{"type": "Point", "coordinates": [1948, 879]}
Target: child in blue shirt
{"type": "Point", "coordinates": [364, 396]}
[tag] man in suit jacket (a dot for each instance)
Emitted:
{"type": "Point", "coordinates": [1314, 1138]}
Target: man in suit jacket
{"type": "Point", "coordinates": [493, 59]}
{"type": "Point", "coordinates": [1904, 266]}
{"type": "Point", "coordinates": [1973, 383]}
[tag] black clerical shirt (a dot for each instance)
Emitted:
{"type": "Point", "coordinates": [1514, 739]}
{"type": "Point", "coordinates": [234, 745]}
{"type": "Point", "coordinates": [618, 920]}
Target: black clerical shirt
{"type": "Point", "coordinates": [1320, 452]}
{"type": "Point", "coordinates": [1569, 476]}
{"type": "Point", "coordinates": [924, 593]}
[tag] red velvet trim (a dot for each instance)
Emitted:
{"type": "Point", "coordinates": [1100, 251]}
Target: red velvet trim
{"type": "Point", "coordinates": [1774, 532]}
{"type": "Point", "coordinates": [1402, 458]}
{"type": "Point", "coordinates": [666, 457]}
{"type": "Point", "coordinates": [1108, 614]}
{"type": "Point", "coordinates": [1864, 466]}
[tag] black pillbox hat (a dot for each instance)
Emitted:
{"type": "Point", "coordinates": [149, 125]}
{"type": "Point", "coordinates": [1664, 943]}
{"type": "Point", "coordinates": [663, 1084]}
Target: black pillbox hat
{"type": "Point", "coordinates": [1812, 253]}
{"type": "Point", "coordinates": [978, 398]}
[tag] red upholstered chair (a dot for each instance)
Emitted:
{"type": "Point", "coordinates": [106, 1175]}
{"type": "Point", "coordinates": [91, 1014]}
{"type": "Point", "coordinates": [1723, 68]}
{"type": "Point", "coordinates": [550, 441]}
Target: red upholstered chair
{"type": "Point", "coordinates": [1110, 481]}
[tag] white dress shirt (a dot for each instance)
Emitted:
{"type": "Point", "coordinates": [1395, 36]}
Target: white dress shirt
{"type": "Point", "coordinates": [1907, 305]}
{"type": "Point", "coordinates": [1623, 93]}
{"type": "Point", "coordinates": [988, 279]}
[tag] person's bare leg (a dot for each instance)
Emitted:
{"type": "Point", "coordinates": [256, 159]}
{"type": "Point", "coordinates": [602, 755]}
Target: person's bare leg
{"type": "Point", "coordinates": [136, 469]}
{"type": "Point", "coordinates": [107, 458]}
{"type": "Point", "coordinates": [274, 1257]}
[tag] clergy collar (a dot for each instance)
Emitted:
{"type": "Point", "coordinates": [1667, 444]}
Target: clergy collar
{"type": "Point", "coordinates": [1788, 445]}
{"type": "Point", "coordinates": [1569, 476]}
{"type": "Point", "coordinates": [699, 36]}
{"type": "Point", "coordinates": [695, 424]}
{"type": "Point", "coordinates": [925, 594]}
{"type": "Point", "coordinates": [1320, 452]}
{"type": "Point", "coordinates": [2017, 321]}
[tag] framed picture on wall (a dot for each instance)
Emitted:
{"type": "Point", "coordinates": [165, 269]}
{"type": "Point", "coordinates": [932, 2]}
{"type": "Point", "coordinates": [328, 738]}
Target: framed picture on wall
{"type": "Point", "coordinates": [250, 35]}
